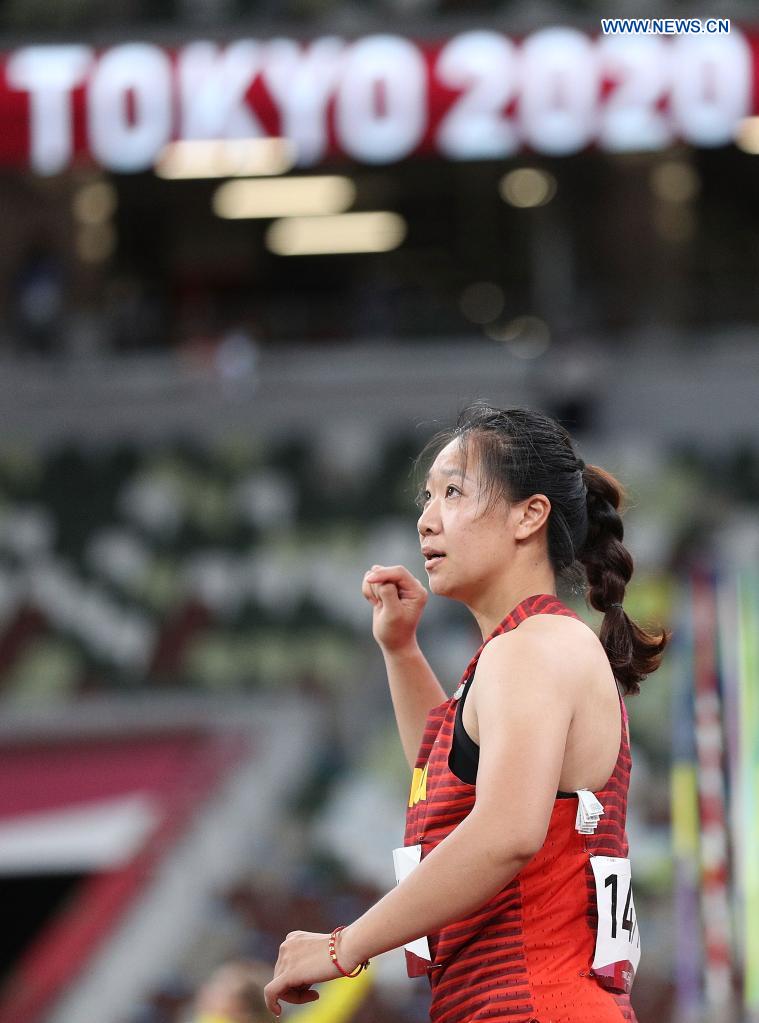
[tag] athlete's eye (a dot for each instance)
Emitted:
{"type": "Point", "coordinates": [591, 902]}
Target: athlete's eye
{"type": "Point", "coordinates": [450, 488]}
{"type": "Point", "coordinates": [422, 498]}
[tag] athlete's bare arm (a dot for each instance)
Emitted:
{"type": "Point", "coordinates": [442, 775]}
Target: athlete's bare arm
{"type": "Point", "coordinates": [398, 599]}
{"type": "Point", "coordinates": [526, 705]}
{"type": "Point", "coordinates": [414, 690]}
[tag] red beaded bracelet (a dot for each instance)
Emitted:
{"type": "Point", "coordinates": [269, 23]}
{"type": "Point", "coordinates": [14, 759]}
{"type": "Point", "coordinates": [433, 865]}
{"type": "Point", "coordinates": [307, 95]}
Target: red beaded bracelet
{"type": "Point", "coordinates": [333, 955]}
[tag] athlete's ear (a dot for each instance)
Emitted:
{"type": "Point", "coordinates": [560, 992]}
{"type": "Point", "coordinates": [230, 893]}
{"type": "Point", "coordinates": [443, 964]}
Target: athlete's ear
{"type": "Point", "coordinates": [532, 514]}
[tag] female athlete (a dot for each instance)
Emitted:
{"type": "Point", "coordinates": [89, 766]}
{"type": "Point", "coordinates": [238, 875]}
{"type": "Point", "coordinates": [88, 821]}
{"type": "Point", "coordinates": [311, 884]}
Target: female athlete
{"type": "Point", "coordinates": [514, 870]}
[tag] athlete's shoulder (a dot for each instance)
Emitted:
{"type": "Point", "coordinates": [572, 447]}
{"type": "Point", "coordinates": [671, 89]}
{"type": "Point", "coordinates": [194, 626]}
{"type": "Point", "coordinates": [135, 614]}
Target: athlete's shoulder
{"type": "Point", "coordinates": [557, 626]}
{"type": "Point", "coordinates": [550, 645]}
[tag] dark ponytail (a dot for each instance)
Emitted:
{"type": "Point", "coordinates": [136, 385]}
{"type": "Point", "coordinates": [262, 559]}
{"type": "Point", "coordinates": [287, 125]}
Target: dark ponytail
{"type": "Point", "coordinates": [633, 653]}
{"type": "Point", "coordinates": [522, 452]}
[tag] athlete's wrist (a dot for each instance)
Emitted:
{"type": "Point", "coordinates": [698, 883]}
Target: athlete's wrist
{"type": "Point", "coordinates": [406, 650]}
{"type": "Point", "coordinates": [345, 947]}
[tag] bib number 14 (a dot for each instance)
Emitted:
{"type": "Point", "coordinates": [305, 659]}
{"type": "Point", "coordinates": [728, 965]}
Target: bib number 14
{"type": "Point", "coordinates": [617, 952]}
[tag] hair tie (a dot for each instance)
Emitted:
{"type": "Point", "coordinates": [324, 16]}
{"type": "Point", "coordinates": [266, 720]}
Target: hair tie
{"type": "Point", "coordinates": [617, 604]}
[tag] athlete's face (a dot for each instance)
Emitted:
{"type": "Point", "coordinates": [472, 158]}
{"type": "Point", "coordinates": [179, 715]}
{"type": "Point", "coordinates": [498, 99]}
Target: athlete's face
{"type": "Point", "coordinates": [467, 545]}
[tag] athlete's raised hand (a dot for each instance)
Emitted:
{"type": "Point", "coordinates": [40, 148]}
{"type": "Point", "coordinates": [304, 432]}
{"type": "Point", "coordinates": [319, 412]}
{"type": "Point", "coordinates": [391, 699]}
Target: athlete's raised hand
{"type": "Point", "coordinates": [398, 599]}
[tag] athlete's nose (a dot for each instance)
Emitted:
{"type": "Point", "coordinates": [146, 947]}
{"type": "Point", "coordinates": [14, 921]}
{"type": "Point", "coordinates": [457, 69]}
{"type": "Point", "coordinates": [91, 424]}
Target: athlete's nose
{"type": "Point", "coordinates": [428, 522]}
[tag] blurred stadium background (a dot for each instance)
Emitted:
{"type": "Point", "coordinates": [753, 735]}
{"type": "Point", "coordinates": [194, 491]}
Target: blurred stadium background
{"type": "Point", "coordinates": [252, 255]}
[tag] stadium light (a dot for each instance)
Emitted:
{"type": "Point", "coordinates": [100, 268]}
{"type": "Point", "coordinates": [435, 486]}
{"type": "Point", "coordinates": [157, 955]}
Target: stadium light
{"type": "Point", "coordinates": [747, 135]}
{"type": "Point", "coordinates": [350, 232]}
{"type": "Point", "coordinates": [527, 337]}
{"type": "Point", "coordinates": [283, 197]}
{"type": "Point", "coordinates": [225, 158]}
{"type": "Point", "coordinates": [482, 302]}
{"type": "Point", "coordinates": [95, 203]}
{"type": "Point", "coordinates": [527, 187]}
{"type": "Point", "coordinates": [675, 181]}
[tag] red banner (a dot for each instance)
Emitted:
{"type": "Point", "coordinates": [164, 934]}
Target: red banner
{"type": "Point", "coordinates": [376, 99]}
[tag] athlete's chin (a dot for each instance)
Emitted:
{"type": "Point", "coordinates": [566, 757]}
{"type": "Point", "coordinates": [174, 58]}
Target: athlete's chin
{"type": "Point", "coordinates": [436, 584]}
{"type": "Point", "coordinates": [441, 586]}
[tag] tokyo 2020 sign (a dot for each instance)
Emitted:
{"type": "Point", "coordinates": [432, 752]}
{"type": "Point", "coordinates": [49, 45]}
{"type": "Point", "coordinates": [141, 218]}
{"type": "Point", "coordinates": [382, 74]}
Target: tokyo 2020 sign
{"type": "Point", "coordinates": [376, 99]}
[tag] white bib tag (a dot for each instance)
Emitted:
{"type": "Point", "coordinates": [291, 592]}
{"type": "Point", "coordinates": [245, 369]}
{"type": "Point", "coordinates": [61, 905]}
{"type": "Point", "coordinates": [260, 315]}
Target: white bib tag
{"type": "Point", "coordinates": [589, 812]}
{"type": "Point", "coordinates": [405, 860]}
{"type": "Point", "coordinates": [618, 940]}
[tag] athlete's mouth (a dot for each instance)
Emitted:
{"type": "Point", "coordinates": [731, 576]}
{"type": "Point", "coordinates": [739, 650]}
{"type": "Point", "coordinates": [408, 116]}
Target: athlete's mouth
{"type": "Point", "coordinates": [430, 557]}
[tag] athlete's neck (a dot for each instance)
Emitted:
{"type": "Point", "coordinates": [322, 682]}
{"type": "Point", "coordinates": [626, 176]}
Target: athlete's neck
{"type": "Point", "coordinates": [492, 606]}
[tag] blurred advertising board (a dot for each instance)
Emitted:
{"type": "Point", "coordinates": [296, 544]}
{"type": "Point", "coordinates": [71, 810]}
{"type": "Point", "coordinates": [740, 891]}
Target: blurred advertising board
{"type": "Point", "coordinates": [376, 99]}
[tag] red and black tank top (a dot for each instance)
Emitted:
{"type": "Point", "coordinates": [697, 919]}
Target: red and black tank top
{"type": "Point", "coordinates": [526, 955]}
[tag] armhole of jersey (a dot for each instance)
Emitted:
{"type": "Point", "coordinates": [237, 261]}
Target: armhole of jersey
{"type": "Point", "coordinates": [465, 753]}
{"type": "Point", "coordinates": [464, 757]}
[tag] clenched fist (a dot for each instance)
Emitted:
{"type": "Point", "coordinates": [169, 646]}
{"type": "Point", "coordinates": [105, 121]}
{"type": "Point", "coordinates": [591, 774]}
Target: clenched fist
{"type": "Point", "coordinates": [398, 599]}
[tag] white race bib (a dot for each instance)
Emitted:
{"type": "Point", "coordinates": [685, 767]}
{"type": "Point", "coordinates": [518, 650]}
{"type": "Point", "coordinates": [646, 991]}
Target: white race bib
{"type": "Point", "coordinates": [618, 940]}
{"type": "Point", "coordinates": [405, 860]}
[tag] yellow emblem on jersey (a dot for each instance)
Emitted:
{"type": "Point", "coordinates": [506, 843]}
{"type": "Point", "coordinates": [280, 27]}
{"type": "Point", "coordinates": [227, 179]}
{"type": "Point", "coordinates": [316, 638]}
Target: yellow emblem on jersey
{"type": "Point", "coordinates": [418, 785]}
